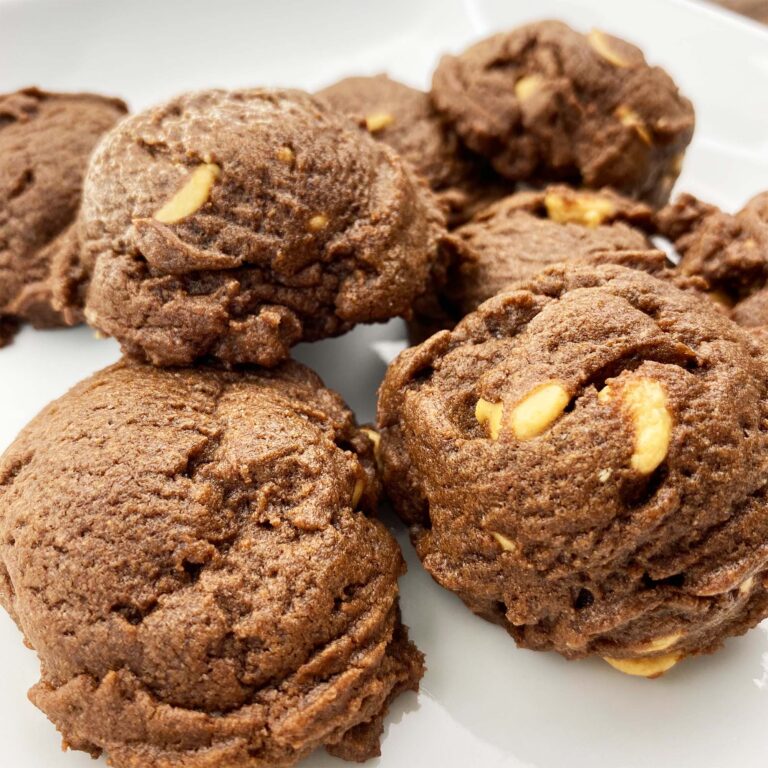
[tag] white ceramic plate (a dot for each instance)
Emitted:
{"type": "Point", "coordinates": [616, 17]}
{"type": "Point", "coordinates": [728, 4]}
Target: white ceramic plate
{"type": "Point", "coordinates": [483, 702]}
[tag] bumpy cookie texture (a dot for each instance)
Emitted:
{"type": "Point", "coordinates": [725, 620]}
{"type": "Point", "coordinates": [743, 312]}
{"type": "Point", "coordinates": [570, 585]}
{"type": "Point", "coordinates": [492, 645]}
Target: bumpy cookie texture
{"type": "Point", "coordinates": [522, 234]}
{"type": "Point", "coordinates": [235, 224]}
{"type": "Point", "coordinates": [544, 102]}
{"type": "Point", "coordinates": [583, 461]}
{"type": "Point", "coordinates": [526, 232]}
{"type": "Point", "coordinates": [198, 572]}
{"type": "Point", "coordinates": [752, 312]}
{"type": "Point", "coordinates": [405, 119]}
{"type": "Point", "coordinates": [730, 251]}
{"type": "Point", "coordinates": [45, 141]}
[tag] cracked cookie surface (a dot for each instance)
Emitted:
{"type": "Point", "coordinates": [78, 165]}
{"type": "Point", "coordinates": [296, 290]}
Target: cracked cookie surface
{"type": "Point", "coordinates": [234, 224]}
{"type": "Point", "coordinates": [191, 555]}
{"type": "Point", "coordinates": [583, 461]}
{"type": "Point", "coordinates": [45, 141]}
{"type": "Point", "coordinates": [544, 102]}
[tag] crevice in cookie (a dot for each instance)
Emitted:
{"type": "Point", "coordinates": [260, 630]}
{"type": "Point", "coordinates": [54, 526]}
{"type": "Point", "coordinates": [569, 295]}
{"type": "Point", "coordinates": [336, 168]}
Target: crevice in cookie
{"type": "Point", "coordinates": [677, 581]}
{"type": "Point", "coordinates": [17, 466]}
{"type": "Point", "coordinates": [23, 183]}
{"type": "Point", "coordinates": [584, 599]}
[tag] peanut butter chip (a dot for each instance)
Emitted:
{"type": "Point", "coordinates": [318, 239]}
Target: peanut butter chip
{"type": "Point", "coordinates": [318, 223]}
{"type": "Point", "coordinates": [601, 45]}
{"type": "Point", "coordinates": [645, 400]}
{"type": "Point", "coordinates": [585, 209]}
{"type": "Point", "coordinates": [538, 410]}
{"type": "Point", "coordinates": [286, 155]}
{"type": "Point", "coordinates": [660, 643]}
{"type": "Point", "coordinates": [357, 492]}
{"type": "Point", "coordinates": [375, 438]}
{"type": "Point", "coordinates": [631, 119]}
{"type": "Point", "coordinates": [652, 667]}
{"type": "Point", "coordinates": [526, 86]}
{"type": "Point", "coordinates": [489, 414]}
{"type": "Point", "coordinates": [506, 544]}
{"type": "Point", "coordinates": [192, 196]}
{"type": "Point", "coordinates": [378, 121]}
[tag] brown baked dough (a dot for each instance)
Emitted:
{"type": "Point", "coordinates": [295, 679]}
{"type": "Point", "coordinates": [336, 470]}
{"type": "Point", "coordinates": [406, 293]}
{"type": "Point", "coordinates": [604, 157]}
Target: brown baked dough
{"type": "Point", "coordinates": [406, 120]}
{"type": "Point", "coordinates": [191, 555]}
{"type": "Point", "coordinates": [583, 460]}
{"type": "Point", "coordinates": [45, 141]}
{"type": "Point", "coordinates": [233, 224]}
{"type": "Point", "coordinates": [728, 251]}
{"type": "Point", "coordinates": [544, 102]}
{"type": "Point", "coordinates": [522, 234]}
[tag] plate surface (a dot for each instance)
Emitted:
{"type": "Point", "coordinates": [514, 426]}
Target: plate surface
{"type": "Point", "coordinates": [483, 702]}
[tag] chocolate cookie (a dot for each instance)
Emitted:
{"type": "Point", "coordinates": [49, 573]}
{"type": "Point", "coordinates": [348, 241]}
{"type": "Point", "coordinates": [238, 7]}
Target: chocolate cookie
{"type": "Point", "coordinates": [235, 224]}
{"type": "Point", "coordinates": [406, 120]}
{"type": "Point", "coordinates": [583, 460]}
{"type": "Point", "coordinates": [526, 232]}
{"type": "Point", "coordinates": [45, 141]}
{"type": "Point", "coordinates": [752, 312]}
{"type": "Point", "coordinates": [730, 251]}
{"type": "Point", "coordinates": [190, 554]}
{"type": "Point", "coordinates": [544, 102]}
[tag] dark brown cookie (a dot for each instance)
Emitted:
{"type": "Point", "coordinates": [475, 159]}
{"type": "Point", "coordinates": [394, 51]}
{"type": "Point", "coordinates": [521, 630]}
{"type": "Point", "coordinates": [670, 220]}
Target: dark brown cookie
{"type": "Point", "coordinates": [730, 251]}
{"type": "Point", "coordinates": [544, 102]}
{"type": "Point", "coordinates": [189, 552]}
{"type": "Point", "coordinates": [583, 460]}
{"type": "Point", "coordinates": [235, 224]}
{"type": "Point", "coordinates": [45, 141]}
{"type": "Point", "coordinates": [526, 232]}
{"type": "Point", "coordinates": [752, 312]}
{"type": "Point", "coordinates": [406, 120]}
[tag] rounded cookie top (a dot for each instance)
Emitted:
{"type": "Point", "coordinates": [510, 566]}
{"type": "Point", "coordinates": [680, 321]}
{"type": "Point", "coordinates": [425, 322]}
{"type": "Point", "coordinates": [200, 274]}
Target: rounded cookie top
{"type": "Point", "coordinates": [235, 224]}
{"type": "Point", "coordinates": [583, 460]}
{"type": "Point", "coordinates": [405, 119]}
{"type": "Point", "coordinates": [524, 233]}
{"type": "Point", "coordinates": [545, 102]}
{"type": "Point", "coordinates": [45, 141]}
{"type": "Point", "coordinates": [198, 573]}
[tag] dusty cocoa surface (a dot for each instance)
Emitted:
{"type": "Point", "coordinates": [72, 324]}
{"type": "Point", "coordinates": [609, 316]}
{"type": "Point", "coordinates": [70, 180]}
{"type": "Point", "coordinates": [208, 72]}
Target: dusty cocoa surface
{"type": "Point", "coordinates": [192, 556]}
{"type": "Point", "coordinates": [597, 555]}
{"type": "Point", "coordinates": [309, 228]}
{"type": "Point", "coordinates": [405, 119]}
{"type": "Point", "coordinates": [45, 141]}
{"type": "Point", "coordinates": [544, 102]}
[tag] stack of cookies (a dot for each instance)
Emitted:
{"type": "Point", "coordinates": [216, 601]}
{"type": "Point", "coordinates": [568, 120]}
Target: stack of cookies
{"type": "Point", "coordinates": [577, 440]}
